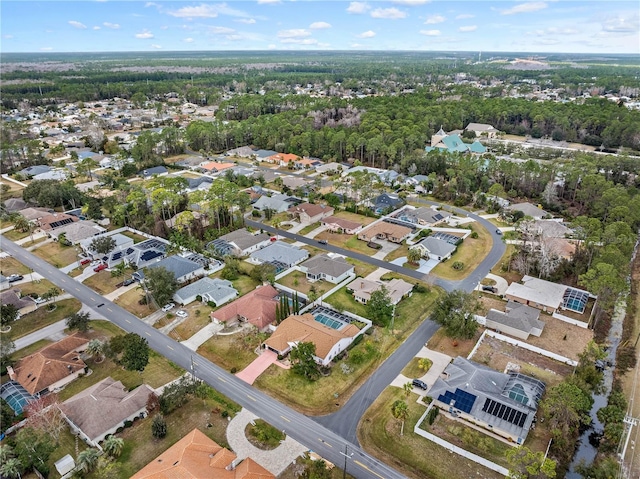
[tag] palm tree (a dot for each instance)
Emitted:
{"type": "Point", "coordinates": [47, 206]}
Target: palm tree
{"type": "Point", "coordinates": [408, 388]}
{"type": "Point", "coordinates": [414, 255]}
{"type": "Point", "coordinates": [113, 446]}
{"type": "Point", "coordinates": [22, 224]}
{"type": "Point", "coordinates": [6, 453]}
{"type": "Point", "coordinates": [400, 411]}
{"type": "Point", "coordinates": [95, 349]}
{"type": "Point", "coordinates": [11, 468]}
{"type": "Point", "coordinates": [53, 292]}
{"type": "Point", "coordinates": [88, 460]}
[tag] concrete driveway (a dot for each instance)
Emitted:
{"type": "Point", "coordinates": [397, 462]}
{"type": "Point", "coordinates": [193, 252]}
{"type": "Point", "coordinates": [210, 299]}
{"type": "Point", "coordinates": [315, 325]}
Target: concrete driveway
{"type": "Point", "coordinates": [426, 265]}
{"type": "Point", "coordinates": [440, 362]}
{"type": "Point", "coordinates": [258, 366]}
{"type": "Point", "coordinates": [501, 283]}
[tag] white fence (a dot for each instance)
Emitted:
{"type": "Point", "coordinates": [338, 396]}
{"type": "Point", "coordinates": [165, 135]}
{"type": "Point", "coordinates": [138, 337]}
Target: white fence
{"type": "Point", "coordinates": [575, 322]}
{"type": "Point", "coordinates": [522, 345]}
{"type": "Point", "coordinates": [458, 450]}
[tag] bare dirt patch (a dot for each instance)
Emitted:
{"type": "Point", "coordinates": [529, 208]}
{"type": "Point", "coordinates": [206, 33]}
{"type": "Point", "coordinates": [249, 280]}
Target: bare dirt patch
{"type": "Point", "coordinates": [440, 342]}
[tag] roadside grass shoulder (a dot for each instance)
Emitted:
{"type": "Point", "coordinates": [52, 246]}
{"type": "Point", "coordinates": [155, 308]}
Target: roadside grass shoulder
{"type": "Point", "coordinates": [470, 253]}
{"type": "Point", "coordinates": [41, 317]}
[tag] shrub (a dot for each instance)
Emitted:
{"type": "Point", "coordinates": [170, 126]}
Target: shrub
{"type": "Point", "coordinates": [199, 298]}
{"type": "Point", "coordinates": [159, 427]}
{"type": "Point", "coordinates": [432, 415]}
{"type": "Point", "coordinates": [119, 430]}
{"type": "Point", "coordinates": [128, 423]}
{"type": "Point", "coordinates": [225, 413]}
{"type": "Point", "coordinates": [474, 235]}
{"type": "Point", "coordinates": [457, 265]}
{"type": "Point", "coordinates": [233, 370]}
{"type": "Point", "coordinates": [420, 288]}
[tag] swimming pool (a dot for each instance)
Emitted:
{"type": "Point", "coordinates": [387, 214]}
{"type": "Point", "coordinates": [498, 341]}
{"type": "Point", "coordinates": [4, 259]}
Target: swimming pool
{"type": "Point", "coordinates": [15, 395]}
{"type": "Point", "coordinates": [327, 321]}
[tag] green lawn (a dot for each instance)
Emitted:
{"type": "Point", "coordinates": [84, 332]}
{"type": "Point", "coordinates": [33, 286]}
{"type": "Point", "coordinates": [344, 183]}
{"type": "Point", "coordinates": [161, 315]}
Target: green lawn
{"type": "Point", "coordinates": [158, 372]}
{"type": "Point", "coordinates": [135, 237]}
{"type": "Point", "coordinates": [403, 250]}
{"type": "Point", "coordinates": [231, 352]}
{"type": "Point", "coordinates": [297, 280]}
{"type": "Point", "coordinates": [342, 300]}
{"type": "Point", "coordinates": [470, 252]}
{"type": "Point", "coordinates": [39, 287]}
{"type": "Point", "coordinates": [103, 283]}
{"type": "Point", "coordinates": [411, 454]}
{"type": "Point", "coordinates": [66, 445]}
{"type": "Point", "coordinates": [129, 301]}
{"type": "Point", "coordinates": [41, 317]}
{"type": "Point", "coordinates": [354, 244]}
{"type": "Point", "coordinates": [15, 235]}
{"type": "Point", "coordinates": [362, 269]}
{"type": "Point", "coordinates": [309, 228]}
{"type": "Point", "coordinates": [56, 254]}
{"type": "Point", "coordinates": [9, 266]}
{"type": "Point", "coordinates": [413, 370]}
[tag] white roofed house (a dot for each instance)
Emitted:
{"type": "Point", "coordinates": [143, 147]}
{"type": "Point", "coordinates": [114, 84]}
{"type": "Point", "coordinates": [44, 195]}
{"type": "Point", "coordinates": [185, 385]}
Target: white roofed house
{"type": "Point", "coordinates": [122, 243]}
{"type": "Point", "coordinates": [548, 296]}
{"type": "Point", "coordinates": [310, 213]}
{"type": "Point", "coordinates": [218, 291]}
{"type": "Point", "coordinates": [482, 129]}
{"type": "Point", "coordinates": [362, 289]}
{"type": "Point", "coordinates": [239, 243]}
{"type": "Point", "coordinates": [518, 320]}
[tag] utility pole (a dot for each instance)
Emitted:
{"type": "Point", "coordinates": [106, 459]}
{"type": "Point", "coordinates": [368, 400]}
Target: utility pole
{"type": "Point", "coordinates": [346, 456]}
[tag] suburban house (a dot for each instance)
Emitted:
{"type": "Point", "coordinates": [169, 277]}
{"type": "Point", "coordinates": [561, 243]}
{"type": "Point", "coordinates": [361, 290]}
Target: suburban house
{"type": "Point", "coordinates": [216, 167]}
{"type": "Point", "coordinates": [239, 243]}
{"type": "Point", "coordinates": [293, 182]}
{"type": "Point", "coordinates": [340, 225]}
{"type": "Point", "coordinates": [79, 231]}
{"type": "Point", "coordinates": [276, 202]}
{"type": "Point", "coordinates": [264, 155]}
{"type": "Point", "coordinates": [363, 288]}
{"type": "Point", "coordinates": [280, 254]}
{"type": "Point", "coordinates": [183, 269]}
{"type": "Point", "coordinates": [548, 296]}
{"type": "Point", "coordinates": [517, 320]}
{"type": "Point", "coordinates": [435, 248]}
{"type": "Point", "coordinates": [34, 170]}
{"type": "Point", "coordinates": [216, 290]}
{"type": "Point", "coordinates": [34, 214]}
{"type": "Point", "coordinates": [332, 167]}
{"type": "Point", "coordinates": [503, 403]}
{"type": "Point", "coordinates": [422, 216]}
{"type": "Point", "coordinates": [140, 254]}
{"type": "Point", "coordinates": [58, 175]}
{"type": "Point", "coordinates": [155, 171]}
{"type": "Point", "coordinates": [15, 204]}
{"type": "Point", "coordinates": [51, 368]}
{"type": "Point", "coordinates": [283, 159]}
{"type": "Point", "coordinates": [385, 202]}
{"type": "Point", "coordinates": [122, 244]}
{"type": "Point", "coordinates": [452, 143]}
{"type": "Point", "coordinates": [385, 231]}
{"type": "Point", "coordinates": [310, 213]}
{"type": "Point", "coordinates": [551, 228]}
{"type": "Point", "coordinates": [56, 220]}
{"type": "Point", "coordinates": [243, 152]}
{"type": "Point", "coordinates": [195, 456]}
{"type": "Point", "coordinates": [101, 409]}
{"type": "Point", "coordinates": [529, 209]}
{"type": "Point", "coordinates": [329, 267]}
{"type": "Point", "coordinates": [307, 163]}
{"type": "Point", "coordinates": [202, 183]}
{"type": "Point", "coordinates": [304, 328]}
{"type": "Point", "coordinates": [482, 129]}
{"type": "Point", "coordinates": [24, 304]}
{"type": "Point", "coordinates": [257, 307]}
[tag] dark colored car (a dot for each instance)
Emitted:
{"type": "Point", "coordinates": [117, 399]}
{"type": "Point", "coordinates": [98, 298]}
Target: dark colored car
{"type": "Point", "coordinates": [322, 241]}
{"type": "Point", "coordinates": [128, 281]}
{"type": "Point", "coordinates": [498, 232]}
{"type": "Point", "coordinates": [419, 384]}
{"type": "Point", "coordinates": [491, 289]}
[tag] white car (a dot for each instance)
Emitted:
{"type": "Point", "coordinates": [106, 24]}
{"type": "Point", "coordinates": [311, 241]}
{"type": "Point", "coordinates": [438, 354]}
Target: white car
{"type": "Point", "coordinates": [96, 262]}
{"type": "Point", "coordinates": [40, 300]}
{"type": "Point", "coordinates": [168, 307]}
{"type": "Point", "coordinates": [182, 314]}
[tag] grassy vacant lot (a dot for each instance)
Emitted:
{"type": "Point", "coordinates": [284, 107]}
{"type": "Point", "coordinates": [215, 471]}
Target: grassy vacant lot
{"type": "Point", "coordinates": [232, 352]}
{"type": "Point", "coordinates": [103, 283]}
{"type": "Point", "coordinates": [471, 252]}
{"type": "Point", "coordinates": [347, 215]}
{"type": "Point", "coordinates": [129, 301]}
{"type": "Point", "coordinates": [41, 317]}
{"type": "Point", "coordinates": [440, 342]}
{"type": "Point", "coordinates": [413, 455]}
{"type": "Point", "coordinates": [135, 237]}
{"type": "Point", "coordinates": [199, 317]}
{"type": "Point", "coordinates": [9, 265]}
{"type": "Point", "coordinates": [244, 283]}
{"type": "Point", "coordinates": [56, 254]}
{"type": "Point", "coordinates": [140, 447]}
{"type": "Point", "coordinates": [158, 372]}
{"type": "Point", "coordinates": [297, 280]}
{"type": "Point", "coordinates": [309, 228]}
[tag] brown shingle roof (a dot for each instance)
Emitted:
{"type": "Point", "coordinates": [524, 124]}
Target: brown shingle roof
{"type": "Point", "coordinates": [258, 307]}
{"type": "Point", "coordinates": [305, 328]}
{"type": "Point", "coordinates": [311, 209]}
{"type": "Point", "coordinates": [195, 456]}
{"type": "Point", "coordinates": [51, 364]}
{"type": "Point", "coordinates": [341, 222]}
{"type": "Point", "coordinates": [12, 296]}
{"type": "Point", "coordinates": [104, 406]}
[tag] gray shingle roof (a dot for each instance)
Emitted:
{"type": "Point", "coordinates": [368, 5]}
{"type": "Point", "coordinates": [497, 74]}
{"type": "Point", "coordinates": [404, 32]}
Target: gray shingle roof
{"type": "Point", "coordinates": [324, 264]}
{"type": "Point", "coordinates": [280, 252]}
{"type": "Point", "coordinates": [243, 239]}
{"type": "Point", "coordinates": [518, 316]}
{"type": "Point", "coordinates": [437, 246]}
{"type": "Point", "coordinates": [218, 290]}
{"type": "Point", "coordinates": [178, 265]}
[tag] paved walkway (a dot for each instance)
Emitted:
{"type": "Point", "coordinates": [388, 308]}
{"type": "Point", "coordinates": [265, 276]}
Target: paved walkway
{"type": "Point", "coordinates": [440, 361]}
{"type": "Point", "coordinates": [202, 336]}
{"type": "Point", "coordinates": [426, 265]}
{"type": "Point", "coordinates": [501, 283]}
{"type": "Point", "coordinates": [274, 461]}
{"type": "Point", "coordinates": [315, 232]}
{"type": "Point", "coordinates": [258, 366]}
{"type": "Point", "coordinates": [376, 274]}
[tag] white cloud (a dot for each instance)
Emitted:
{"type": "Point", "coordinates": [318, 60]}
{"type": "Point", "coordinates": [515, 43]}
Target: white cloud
{"type": "Point", "coordinates": [144, 34]}
{"type": "Point", "coordinates": [151, 4]}
{"type": "Point", "coordinates": [358, 7]}
{"type": "Point", "coordinates": [79, 25]}
{"type": "Point", "coordinates": [7, 36]}
{"type": "Point", "coordinates": [96, 27]}
{"type": "Point", "coordinates": [622, 24]}
{"type": "Point", "coordinates": [433, 19]}
{"type": "Point", "coordinates": [46, 49]}
{"type": "Point", "coordinates": [294, 33]}
{"type": "Point", "coordinates": [562, 31]}
{"type": "Point", "coordinates": [235, 38]}
{"type": "Point", "coordinates": [248, 21]}
{"type": "Point", "coordinates": [300, 41]}
{"type": "Point", "coordinates": [188, 40]}
{"type": "Point", "coordinates": [389, 13]}
{"type": "Point", "coordinates": [268, 2]}
{"type": "Point", "coordinates": [525, 8]}
{"type": "Point", "coordinates": [430, 33]}
{"type": "Point", "coordinates": [469, 28]}
{"type": "Point", "coordinates": [113, 26]}
{"type": "Point", "coordinates": [201, 11]}
{"type": "Point", "coordinates": [367, 34]}
{"type": "Point", "coordinates": [319, 25]}
{"type": "Point", "coordinates": [271, 46]}
{"type": "Point", "coordinates": [463, 16]}
{"type": "Point", "coordinates": [221, 30]}
{"type": "Point", "coordinates": [156, 46]}
{"type": "Point", "coordinates": [411, 3]}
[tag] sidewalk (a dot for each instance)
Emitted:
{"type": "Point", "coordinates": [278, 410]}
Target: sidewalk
{"type": "Point", "coordinates": [202, 336]}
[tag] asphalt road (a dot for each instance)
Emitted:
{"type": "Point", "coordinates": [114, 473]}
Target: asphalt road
{"type": "Point", "coordinates": [301, 428]}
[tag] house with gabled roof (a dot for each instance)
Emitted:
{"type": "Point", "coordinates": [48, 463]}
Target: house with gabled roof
{"type": "Point", "coordinates": [215, 290]}
{"type": "Point", "coordinates": [422, 216]}
{"type": "Point", "coordinates": [385, 202]}
{"type": "Point", "coordinates": [101, 409]}
{"type": "Point", "coordinates": [329, 267]}
{"type": "Point", "coordinates": [215, 166]}
{"type": "Point", "coordinates": [548, 296]}
{"type": "Point", "coordinates": [52, 367]}
{"type": "Point", "coordinates": [310, 212]}
{"type": "Point", "coordinates": [276, 202]}
{"type": "Point", "coordinates": [182, 268]}
{"type": "Point", "coordinates": [239, 243]}
{"type": "Point", "coordinates": [56, 220]}
{"type": "Point", "coordinates": [35, 213]}
{"type": "Point", "coordinates": [502, 403]}
{"type": "Point", "coordinates": [482, 129]}
{"type": "Point", "coordinates": [362, 289]}
{"type": "Point", "coordinates": [79, 231]}
{"type": "Point", "coordinates": [386, 231]}
{"type": "Point", "coordinates": [195, 456]}
{"type": "Point", "coordinates": [435, 248]}
{"type": "Point", "coordinates": [283, 159]}
{"type": "Point", "coordinates": [282, 255]}
{"type": "Point", "coordinates": [24, 304]}
{"type": "Point", "coordinates": [257, 307]}
{"type": "Point", "coordinates": [517, 320]}
{"type": "Point", "coordinates": [304, 328]}
{"type": "Point", "coordinates": [340, 225]}
{"type": "Point", "coordinates": [528, 209]}
{"type": "Point", "coordinates": [154, 171]}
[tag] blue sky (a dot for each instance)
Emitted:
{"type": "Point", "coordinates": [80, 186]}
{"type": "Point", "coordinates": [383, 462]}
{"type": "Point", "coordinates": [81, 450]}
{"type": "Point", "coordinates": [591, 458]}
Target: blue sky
{"type": "Point", "coordinates": [434, 25]}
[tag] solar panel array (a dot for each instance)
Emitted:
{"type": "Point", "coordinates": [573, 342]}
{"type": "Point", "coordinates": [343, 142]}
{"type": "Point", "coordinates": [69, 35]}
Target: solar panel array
{"type": "Point", "coordinates": [151, 244]}
{"type": "Point", "coordinates": [449, 238]}
{"type": "Point", "coordinates": [464, 401]}
{"type": "Point", "coordinates": [149, 255]}
{"type": "Point", "coordinates": [504, 412]}
{"type": "Point", "coordinates": [575, 300]}
{"type": "Point", "coordinates": [116, 256]}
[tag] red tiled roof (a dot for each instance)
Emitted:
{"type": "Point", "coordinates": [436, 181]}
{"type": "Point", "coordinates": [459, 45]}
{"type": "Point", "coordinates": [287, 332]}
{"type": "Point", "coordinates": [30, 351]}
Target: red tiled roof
{"type": "Point", "coordinates": [258, 307]}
